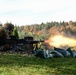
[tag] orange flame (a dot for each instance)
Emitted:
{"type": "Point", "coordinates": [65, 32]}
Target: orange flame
{"type": "Point", "coordinates": [61, 41]}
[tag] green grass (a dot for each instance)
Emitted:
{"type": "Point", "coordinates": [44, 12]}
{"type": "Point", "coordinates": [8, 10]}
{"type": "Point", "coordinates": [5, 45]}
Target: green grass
{"type": "Point", "coordinates": [17, 64]}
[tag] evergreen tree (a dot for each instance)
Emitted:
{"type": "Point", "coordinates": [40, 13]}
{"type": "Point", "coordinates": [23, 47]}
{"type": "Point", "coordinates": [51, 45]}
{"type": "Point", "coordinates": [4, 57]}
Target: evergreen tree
{"type": "Point", "coordinates": [15, 32]}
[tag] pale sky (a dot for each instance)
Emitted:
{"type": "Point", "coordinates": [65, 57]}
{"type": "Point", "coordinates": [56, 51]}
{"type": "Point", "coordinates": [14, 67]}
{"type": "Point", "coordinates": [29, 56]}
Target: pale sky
{"type": "Point", "coordinates": [22, 12]}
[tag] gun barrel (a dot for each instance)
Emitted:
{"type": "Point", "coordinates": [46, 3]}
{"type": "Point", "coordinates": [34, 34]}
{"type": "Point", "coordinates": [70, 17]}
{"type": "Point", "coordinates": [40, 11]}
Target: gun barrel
{"type": "Point", "coordinates": [12, 41]}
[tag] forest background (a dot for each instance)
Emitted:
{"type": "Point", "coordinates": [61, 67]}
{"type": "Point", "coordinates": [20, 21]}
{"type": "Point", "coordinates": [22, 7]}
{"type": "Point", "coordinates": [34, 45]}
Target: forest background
{"type": "Point", "coordinates": [45, 30]}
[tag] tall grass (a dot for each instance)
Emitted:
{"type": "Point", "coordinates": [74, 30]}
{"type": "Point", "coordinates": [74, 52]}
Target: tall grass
{"type": "Point", "coordinates": [18, 64]}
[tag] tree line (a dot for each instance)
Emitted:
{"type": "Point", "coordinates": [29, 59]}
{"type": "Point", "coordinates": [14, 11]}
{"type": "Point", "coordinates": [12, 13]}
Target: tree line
{"type": "Point", "coordinates": [45, 30]}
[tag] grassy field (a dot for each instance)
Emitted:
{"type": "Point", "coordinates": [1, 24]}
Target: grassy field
{"type": "Point", "coordinates": [17, 64]}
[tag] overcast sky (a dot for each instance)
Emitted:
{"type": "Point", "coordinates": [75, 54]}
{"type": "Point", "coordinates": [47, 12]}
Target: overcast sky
{"type": "Point", "coordinates": [22, 12]}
